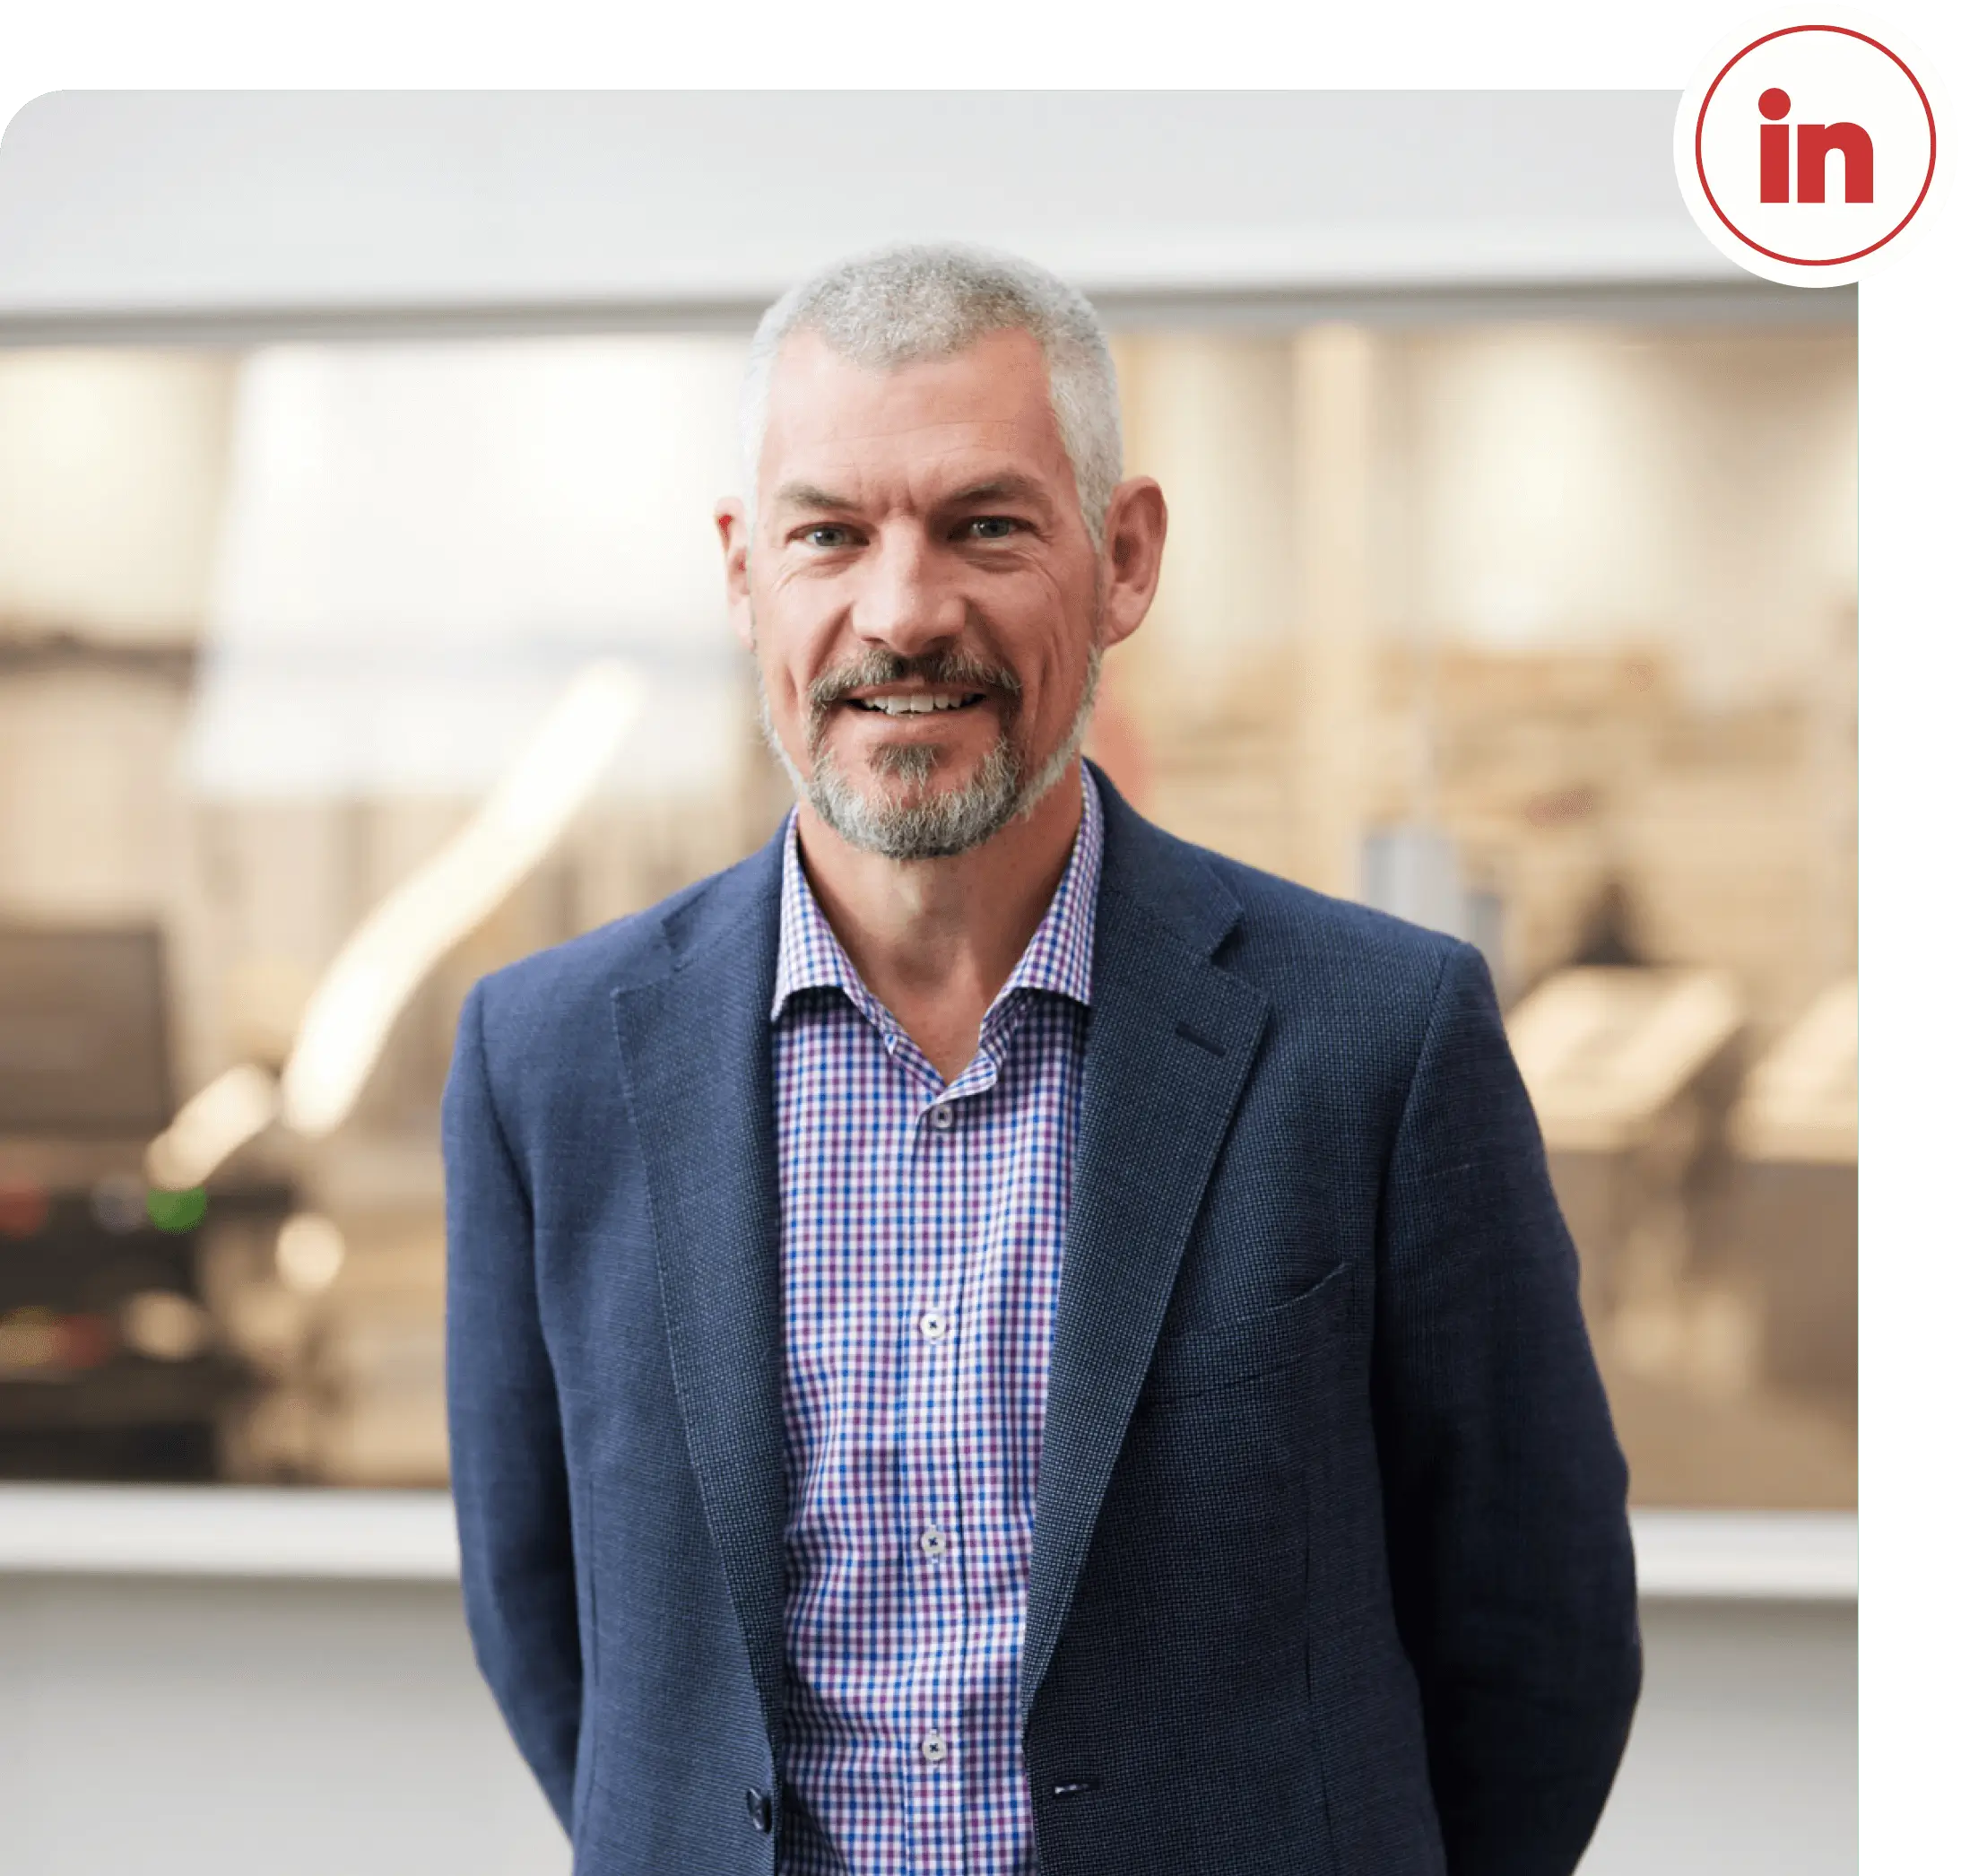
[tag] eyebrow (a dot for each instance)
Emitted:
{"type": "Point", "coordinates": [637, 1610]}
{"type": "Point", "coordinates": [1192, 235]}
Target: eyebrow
{"type": "Point", "coordinates": [807, 497]}
{"type": "Point", "coordinates": [1008, 487]}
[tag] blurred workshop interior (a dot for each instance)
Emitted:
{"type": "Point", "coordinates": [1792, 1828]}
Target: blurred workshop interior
{"type": "Point", "coordinates": [1542, 632]}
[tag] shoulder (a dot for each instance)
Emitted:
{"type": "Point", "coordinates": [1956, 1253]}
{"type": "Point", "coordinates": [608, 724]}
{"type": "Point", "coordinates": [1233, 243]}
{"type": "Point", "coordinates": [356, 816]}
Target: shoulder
{"type": "Point", "coordinates": [1351, 992]}
{"type": "Point", "coordinates": [1299, 947]}
{"type": "Point", "coordinates": [1362, 1009]}
{"type": "Point", "coordinates": [1389, 1033]}
{"type": "Point", "coordinates": [1303, 939]}
{"type": "Point", "coordinates": [1347, 982]}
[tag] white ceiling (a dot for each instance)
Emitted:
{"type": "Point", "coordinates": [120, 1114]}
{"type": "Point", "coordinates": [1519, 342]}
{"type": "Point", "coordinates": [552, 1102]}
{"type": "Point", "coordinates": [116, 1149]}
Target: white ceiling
{"type": "Point", "coordinates": [149, 208]}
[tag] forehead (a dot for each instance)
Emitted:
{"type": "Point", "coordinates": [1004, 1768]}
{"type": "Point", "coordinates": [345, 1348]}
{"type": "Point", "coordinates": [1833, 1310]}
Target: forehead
{"type": "Point", "coordinates": [985, 409]}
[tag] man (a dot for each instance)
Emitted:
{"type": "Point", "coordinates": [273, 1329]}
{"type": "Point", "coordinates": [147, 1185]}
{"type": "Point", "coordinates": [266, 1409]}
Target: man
{"type": "Point", "coordinates": [986, 1338]}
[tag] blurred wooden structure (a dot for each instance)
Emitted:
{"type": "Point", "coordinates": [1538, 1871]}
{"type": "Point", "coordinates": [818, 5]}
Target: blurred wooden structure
{"type": "Point", "coordinates": [1795, 1222]}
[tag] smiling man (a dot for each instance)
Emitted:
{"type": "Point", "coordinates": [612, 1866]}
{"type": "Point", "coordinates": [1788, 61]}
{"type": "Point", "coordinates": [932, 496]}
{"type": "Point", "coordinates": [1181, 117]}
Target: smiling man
{"type": "Point", "coordinates": [986, 1339]}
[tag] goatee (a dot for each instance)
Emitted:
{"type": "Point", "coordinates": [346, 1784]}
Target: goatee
{"type": "Point", "coordinates": [906, 822]}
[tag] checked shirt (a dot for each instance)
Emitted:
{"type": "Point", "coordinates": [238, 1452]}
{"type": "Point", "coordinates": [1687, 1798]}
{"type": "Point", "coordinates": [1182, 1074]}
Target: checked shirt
{"type": "Point", "coordinates": [922, 1226]}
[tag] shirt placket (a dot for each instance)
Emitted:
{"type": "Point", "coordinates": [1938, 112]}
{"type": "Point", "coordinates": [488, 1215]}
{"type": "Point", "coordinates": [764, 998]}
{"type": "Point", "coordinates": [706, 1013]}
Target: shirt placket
{"type": "Point", "coordinates": [938, 1492]}
{"type": "Point", "coordinates": [990, 1431]}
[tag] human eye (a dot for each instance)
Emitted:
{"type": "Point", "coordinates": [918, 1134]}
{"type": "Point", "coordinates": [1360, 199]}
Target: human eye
{"type": "Point", "coordinates": [991, 527]}
{"type": "Point", "coordinates": [824, 535]}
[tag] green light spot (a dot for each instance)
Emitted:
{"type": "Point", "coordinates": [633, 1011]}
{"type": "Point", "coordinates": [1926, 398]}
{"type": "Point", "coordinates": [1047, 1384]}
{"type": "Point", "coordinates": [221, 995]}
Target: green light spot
{"type": "Point", "coordinates": [176, 1210]}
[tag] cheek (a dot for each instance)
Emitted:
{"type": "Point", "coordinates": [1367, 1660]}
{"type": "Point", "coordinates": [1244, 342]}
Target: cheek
{"type": "Point", "coordinates": [781, 644]}
{"type": "Point", "coordinates": [1058, 679]}
{"type": "Point", "coordinates": [782, 692]}
{"type": "Point", "coordinates": [801, 629]}
{"type": "Point", "coordinates": [1040, 625]}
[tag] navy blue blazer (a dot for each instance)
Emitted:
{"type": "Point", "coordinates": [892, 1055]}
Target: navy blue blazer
{"type": "Point", "coordinates": [1331, 1568]}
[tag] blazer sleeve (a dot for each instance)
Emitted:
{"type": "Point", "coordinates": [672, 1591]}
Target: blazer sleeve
{"type": "Point", "coordinates": [507, 1451]}
{"type": "Point", "coordinates": [1505, 1490]}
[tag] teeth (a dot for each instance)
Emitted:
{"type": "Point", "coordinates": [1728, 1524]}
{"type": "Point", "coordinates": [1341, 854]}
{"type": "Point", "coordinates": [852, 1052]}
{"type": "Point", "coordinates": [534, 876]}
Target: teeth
{"type": "Point", "coordinates": [917, 705]}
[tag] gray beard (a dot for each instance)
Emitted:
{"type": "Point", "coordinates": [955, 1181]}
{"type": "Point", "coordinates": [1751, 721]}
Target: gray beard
{"type": "Point", "coordinates": [933, 827]}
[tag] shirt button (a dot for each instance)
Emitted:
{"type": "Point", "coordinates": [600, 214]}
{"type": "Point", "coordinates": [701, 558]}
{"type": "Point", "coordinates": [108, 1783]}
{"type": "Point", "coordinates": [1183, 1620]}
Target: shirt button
{"type": "Point", "coordinates": [932, 1326]}
{"type": "Point", "coordinates": [932, 1748]}
{"type": "Point", "coordinates": [942, 1118]}
{"type": "Point", "coordinates": [933, 1540]}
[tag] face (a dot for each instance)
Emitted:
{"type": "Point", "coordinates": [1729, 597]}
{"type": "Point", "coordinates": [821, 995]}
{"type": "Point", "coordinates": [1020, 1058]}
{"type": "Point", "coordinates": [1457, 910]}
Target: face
{"type": "Point", "coordinates": [924, 599]}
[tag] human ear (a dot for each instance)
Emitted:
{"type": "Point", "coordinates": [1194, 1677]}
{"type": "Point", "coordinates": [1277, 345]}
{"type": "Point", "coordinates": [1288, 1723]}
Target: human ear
{"type": "Point", "coordinates": [1133, 552]}
{"type": "Point", "coordinates": [732, 525]}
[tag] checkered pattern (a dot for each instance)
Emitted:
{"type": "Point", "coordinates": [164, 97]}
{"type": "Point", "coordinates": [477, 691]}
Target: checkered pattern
{"type": "Point", "coordinates": [923, 1228]}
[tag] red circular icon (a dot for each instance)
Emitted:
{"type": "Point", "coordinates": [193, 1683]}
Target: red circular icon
{"type": "Point", "coordinates": [1774, 105]}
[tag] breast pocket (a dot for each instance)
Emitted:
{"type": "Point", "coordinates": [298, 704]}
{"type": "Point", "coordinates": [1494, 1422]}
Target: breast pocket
{"type": "Point", "coordinates": [1275, 1342]}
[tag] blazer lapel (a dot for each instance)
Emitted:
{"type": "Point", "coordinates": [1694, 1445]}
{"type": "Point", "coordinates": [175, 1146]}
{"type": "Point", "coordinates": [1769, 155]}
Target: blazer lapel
{"type": "Point", "coordinates": [695, 1052]}
{"type": "Point", "coordinates": [1171, 1039]}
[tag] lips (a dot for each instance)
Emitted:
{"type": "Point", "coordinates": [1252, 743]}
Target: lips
{"type": "Point", "coordinates": [918, 703]}
{"type": "Point", "coordinates": [909, 690]}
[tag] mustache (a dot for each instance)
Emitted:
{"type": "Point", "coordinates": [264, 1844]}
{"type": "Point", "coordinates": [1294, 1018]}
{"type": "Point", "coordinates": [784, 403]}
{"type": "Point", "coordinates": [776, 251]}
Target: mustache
{"type": "Point", "coordinates": [956, 670]}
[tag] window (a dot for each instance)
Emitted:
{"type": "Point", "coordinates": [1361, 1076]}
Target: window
{"type": "Point", "coordinates": [1541, 632]}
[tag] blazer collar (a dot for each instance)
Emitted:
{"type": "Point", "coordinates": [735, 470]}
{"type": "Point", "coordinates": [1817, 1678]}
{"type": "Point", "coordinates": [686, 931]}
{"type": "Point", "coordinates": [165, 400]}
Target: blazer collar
{"type": "Point", "coordinates": [1174, 881]}
{"type": "Point", "coordinates": [1173, 884]}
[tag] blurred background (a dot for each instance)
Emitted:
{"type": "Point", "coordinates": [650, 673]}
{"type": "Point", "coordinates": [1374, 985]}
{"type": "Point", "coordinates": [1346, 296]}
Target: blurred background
{"type": "Point", "coordinates": [360, 631]}
{"type": "Point", "coordinates": [1542, 631]}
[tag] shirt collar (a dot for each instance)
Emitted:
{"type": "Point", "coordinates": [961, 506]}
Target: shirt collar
{"type": "Point", "coordinates": [1057, 958]}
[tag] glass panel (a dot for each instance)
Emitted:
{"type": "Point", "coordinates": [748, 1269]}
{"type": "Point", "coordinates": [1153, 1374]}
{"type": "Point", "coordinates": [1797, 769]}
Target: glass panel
{"type": "Point", "coordinates": [1542, 634]}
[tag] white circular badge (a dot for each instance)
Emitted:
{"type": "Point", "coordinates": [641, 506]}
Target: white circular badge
{"type": "Point", "coordinates": [1806, 152]}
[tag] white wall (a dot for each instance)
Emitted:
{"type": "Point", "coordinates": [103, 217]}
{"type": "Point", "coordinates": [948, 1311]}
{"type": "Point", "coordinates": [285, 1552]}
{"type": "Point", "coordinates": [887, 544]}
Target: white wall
{"type": "Point", "coordinates": [161, 1728]}
{"type": "Point", "coordinates": [1745, 1755]}
{"type": "Point", "coordinates": [154, 206]}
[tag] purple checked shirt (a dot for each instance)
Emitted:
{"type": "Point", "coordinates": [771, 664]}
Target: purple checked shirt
{"type": "Point", "coordinates": [923, 1228]}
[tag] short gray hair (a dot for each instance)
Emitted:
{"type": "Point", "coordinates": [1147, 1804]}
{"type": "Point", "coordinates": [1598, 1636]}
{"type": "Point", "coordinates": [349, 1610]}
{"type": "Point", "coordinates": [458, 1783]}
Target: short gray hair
{"type": "Point", "coordinates": [914, 301]}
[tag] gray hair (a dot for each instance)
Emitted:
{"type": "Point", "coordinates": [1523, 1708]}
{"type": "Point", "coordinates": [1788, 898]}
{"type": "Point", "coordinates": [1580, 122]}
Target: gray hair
{"type": "Point", "coordinates": [914, 302]}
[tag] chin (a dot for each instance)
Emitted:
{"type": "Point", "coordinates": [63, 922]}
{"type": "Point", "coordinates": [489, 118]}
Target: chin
{"type": "Point", "coordinates": [914, 769]}
{"type": "Point", "coordinates": [953, 808]}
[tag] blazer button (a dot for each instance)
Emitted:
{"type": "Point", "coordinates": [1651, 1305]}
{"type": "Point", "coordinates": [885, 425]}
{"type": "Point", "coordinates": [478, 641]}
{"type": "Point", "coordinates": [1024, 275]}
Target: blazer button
{"type": "Point", "coordinates": [759, 1809]}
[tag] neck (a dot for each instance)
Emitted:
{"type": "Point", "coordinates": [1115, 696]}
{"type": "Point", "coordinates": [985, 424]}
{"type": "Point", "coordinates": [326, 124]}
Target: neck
{"type": "Point", "coordinates": [935, 940]}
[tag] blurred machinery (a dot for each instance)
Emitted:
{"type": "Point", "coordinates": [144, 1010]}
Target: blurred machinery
{"type": "Point", "coordinates": [111, 1364]}
{"type": "Point", "coordinates": [169, 1309]}
{"type": "Point", "coordinates": [1795, 1219]}
{"type": "Point", "coordinates": [229, 1330]}
{"type": "Point", "coordinates": [339, 1312]}
{"type": "Point", "coordinates": [1631, 1070]}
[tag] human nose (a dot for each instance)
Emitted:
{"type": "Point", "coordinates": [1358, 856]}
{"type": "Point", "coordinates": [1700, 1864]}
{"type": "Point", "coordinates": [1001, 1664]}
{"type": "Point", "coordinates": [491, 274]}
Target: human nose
{"type": "Point", "coordinates": [906, 603]}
